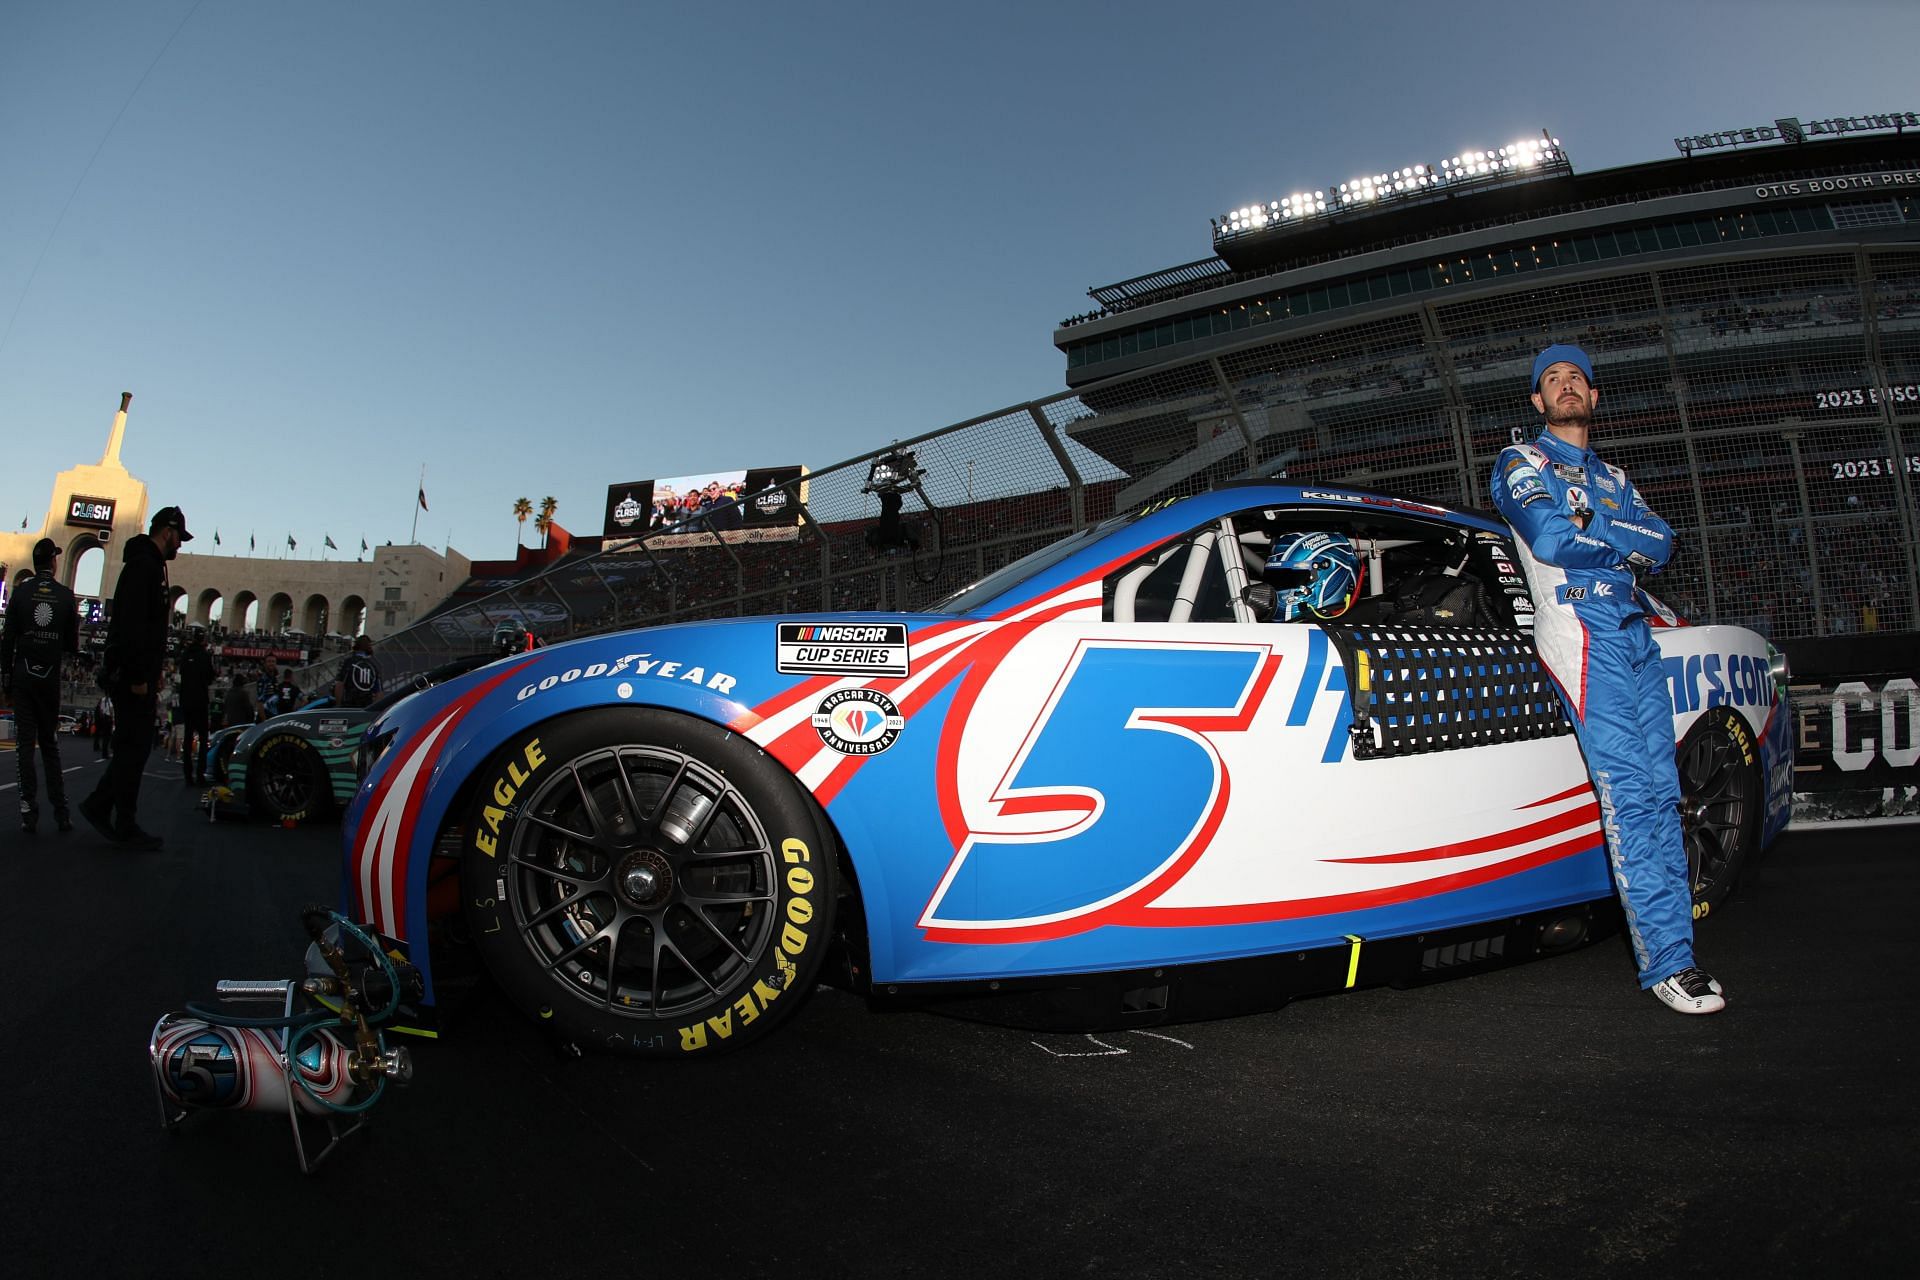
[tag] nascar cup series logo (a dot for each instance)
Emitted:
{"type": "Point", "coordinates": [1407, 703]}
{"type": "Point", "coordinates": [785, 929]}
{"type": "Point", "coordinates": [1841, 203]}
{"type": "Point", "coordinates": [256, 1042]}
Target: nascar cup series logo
{"type": "Point", "coordinates": [626, 512]}
{"type": "Point", "coordinates": [858, 722]}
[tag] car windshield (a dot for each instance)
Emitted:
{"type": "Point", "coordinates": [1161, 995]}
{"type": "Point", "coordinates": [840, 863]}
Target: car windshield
{"type": "Point", "coordinates": [977, 593]}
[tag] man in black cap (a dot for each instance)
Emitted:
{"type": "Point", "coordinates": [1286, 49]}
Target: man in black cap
{"type": "Point", "coordinates": [43, 627]}
{"type": "Point", "coordinates": [130, 673]}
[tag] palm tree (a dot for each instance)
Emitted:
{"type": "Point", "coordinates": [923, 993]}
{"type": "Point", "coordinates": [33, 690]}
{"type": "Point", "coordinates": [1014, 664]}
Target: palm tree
{"type": "Point", "coordinates": [545, 523]}
{"type": "Point", "coordinates": [521, 510]}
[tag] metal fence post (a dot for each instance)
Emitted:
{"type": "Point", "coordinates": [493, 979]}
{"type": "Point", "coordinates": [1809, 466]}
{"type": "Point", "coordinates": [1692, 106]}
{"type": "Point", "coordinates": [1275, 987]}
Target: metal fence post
{"type": "Point", "coordinates": [1677, 385]}
{"type": "Point", "coordinates": [1233, 407]}
{"type": "Point", "coordinates": [1076, 491]}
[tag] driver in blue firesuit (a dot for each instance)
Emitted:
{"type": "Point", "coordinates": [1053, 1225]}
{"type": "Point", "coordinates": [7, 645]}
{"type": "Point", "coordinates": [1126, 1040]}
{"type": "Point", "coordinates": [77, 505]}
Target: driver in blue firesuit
{"type": "Point", "coordinates": [1582, 529]}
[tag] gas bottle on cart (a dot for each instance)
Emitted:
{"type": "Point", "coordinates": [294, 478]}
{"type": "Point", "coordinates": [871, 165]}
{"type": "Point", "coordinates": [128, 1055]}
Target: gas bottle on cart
{"type": "Point", "coordinates": [208, 1067]}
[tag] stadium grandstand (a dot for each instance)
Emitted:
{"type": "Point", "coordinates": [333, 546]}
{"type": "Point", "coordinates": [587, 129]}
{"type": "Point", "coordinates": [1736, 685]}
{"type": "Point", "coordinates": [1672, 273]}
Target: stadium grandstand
{"type": "Point", "coordinates": [1752, 304]}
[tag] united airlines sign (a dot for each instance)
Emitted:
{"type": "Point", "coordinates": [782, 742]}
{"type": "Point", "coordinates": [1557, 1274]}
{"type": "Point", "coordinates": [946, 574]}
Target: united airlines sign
{"type": "Point", "coordinates": [1788, 129]}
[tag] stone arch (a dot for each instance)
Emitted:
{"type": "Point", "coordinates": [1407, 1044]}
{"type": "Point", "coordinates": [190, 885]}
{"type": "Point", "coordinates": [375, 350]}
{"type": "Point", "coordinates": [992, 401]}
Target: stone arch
{"type": "Point", "coordinates": [353, 616]}
{"type": "Point", "coordinates": [21, 578]}
{"type": "Point", "coordinates": [178, 606]}
{"type": "Point", "coordinates": [246, 611]}
{"type": "Point", "coordinates": [86, 561]}
{"type": "Point", "coordinates": [206, 608]}
{"type": "Point", "coordinates": [315, 615]}
{"type": "Point", "coordinates": [279, 613]}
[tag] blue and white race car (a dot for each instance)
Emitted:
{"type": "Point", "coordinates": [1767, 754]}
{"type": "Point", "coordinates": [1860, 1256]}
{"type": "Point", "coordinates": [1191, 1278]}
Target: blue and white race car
{"type": "Point", "coordinates": [1101, 787]}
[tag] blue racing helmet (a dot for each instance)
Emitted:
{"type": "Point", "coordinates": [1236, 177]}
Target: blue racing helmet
{"type": "Point", "coordinates": [1313, 573]}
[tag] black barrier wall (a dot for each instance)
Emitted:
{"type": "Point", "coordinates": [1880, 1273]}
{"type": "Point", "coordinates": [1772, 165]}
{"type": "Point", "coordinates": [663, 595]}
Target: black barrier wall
{"type": "Point", "coordinates": [1856, 707]}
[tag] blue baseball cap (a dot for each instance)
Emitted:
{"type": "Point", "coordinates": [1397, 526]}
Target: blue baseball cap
{"type": "Point", "coordinates": [1562, 353]}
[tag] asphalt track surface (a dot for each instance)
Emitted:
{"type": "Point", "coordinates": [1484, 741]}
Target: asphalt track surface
{"type": "Point", "coordinates": [1546, 1119]}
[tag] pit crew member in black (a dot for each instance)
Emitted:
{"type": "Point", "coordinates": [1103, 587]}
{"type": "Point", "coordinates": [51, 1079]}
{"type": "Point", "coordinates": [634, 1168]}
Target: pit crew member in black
{"type": "Point", "coordinates": [42, 629]}
{"type": "Point", "coordinates": [196, 684]}
{"type": "Point", "coordinates": [359, 680]}
{"type": "Point", "coordinates": [1581, 529]}
{"type": "Point", "coordinates": [130, 673]}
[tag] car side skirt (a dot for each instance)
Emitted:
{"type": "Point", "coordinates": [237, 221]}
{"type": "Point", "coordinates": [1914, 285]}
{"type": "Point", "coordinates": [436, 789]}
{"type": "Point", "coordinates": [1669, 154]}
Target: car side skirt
{"type": "Point", "coordinates": [1170, 994]}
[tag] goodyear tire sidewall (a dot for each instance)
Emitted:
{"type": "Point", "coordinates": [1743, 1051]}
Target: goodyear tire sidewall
{"type": "Point", "coordinates": [754, 1003]}
{"type": "Point", "coordinates": [1745, 744]}
{"type": "Point", "coordinates": [256, 776]}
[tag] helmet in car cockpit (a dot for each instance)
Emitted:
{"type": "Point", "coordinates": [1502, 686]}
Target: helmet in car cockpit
{"type": "Point", "coordinates": [510, 637]}
{"type": "Point", "coordinates": [1313, 575]}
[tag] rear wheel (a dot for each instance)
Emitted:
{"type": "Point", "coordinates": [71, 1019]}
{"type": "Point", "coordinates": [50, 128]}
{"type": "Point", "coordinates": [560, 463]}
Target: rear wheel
{"type": "Point", "coordinates": [646, 883]}
{"type": "Point", "coordinates": [1720, 803]}
{"type": "Point", "coordinates": [286, 781]}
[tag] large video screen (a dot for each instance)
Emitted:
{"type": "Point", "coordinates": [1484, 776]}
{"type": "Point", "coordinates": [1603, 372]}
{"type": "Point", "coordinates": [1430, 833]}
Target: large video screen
{"type": "Point", "coordinates": [718, 503]}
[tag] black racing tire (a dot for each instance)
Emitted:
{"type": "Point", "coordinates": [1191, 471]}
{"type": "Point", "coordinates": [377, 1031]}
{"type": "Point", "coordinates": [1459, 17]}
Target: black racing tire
{"type": "Point", "coordinates": [286, 779]}
{"type": "Point", "coordinates": [645, 883]}
{"type": "Point", "coordinates": [1721, 799]}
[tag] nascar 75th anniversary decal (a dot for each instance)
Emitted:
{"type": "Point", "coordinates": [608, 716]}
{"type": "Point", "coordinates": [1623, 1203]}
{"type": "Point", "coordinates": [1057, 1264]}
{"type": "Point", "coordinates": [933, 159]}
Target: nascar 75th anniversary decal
{"type": "Point", "coordinates": [843, 648]}
{"type": "Point", "coordinates": [858, 722]}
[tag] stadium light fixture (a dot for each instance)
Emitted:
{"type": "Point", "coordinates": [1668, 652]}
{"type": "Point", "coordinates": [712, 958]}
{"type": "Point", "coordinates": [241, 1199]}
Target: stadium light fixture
{"type": "Point", "coordinates": [894, 472]}
{"type": "Point", "coordinates": [1529, 157]}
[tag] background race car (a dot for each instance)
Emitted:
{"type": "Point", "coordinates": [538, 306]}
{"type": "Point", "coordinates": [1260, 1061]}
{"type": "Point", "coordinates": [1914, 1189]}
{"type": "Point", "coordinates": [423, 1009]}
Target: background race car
{"type": "Point", "coordinates": [300, 765]}
{"type": "Point", "coordinates": [1103, 786]}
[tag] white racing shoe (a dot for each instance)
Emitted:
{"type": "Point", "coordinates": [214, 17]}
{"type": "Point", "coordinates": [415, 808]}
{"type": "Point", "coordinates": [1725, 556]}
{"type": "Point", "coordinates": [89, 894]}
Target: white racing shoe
{"type": "Point", "coordinates": [1691, 991]}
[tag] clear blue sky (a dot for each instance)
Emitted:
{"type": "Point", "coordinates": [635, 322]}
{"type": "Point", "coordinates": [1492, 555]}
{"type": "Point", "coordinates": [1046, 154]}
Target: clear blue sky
{"type": "Point", "coordinates": [546, 247]}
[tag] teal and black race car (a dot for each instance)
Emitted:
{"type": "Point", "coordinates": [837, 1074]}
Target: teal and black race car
{"type": "Point", "coordinates": [294, 766]}
{"type": "Point", "coordinates": [300, 764]}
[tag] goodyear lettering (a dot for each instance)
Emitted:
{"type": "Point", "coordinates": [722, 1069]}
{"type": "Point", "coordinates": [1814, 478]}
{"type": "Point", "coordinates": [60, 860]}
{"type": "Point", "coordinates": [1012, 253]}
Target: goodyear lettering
{"type": "Point", "coordinates": [504, 789]}
{"type": "Point", "coordinates": [638, 664]}
{"type": "Point", "coordinates": [788, 947]}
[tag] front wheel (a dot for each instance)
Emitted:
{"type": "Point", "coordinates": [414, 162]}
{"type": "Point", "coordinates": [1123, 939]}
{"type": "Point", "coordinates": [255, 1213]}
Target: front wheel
{"type": "Point", "coordinates": [646, 883]}
{"type": "Point", "coordinates": [286, 780]}
{"type": "Point", "coordinates": [1720, 802]}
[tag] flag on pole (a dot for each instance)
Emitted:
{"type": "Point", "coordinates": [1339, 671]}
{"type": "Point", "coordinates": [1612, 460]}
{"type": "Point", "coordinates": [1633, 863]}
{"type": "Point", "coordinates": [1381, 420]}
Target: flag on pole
{"type": "Point", "coordinates": [423, 498]}
{"type": "Point", "coordinates": [23, 522]}
{"type": "Point", "coordinates": [363, 546]}
{"type": "Point", "coordinates": [216, 537]}
{"type": "Point", "coordinates": [330, 542]}
{"type": "Point", "coordinates": [291, 544]}
{"type": "Point", "coordinates": [249, 542]}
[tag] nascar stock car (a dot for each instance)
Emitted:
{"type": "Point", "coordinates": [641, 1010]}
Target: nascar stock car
{"type": "Point", "coordinates": [300, 764]}
{"type": "Point", "coordinates": [1100, 787]}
